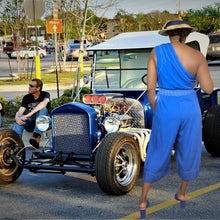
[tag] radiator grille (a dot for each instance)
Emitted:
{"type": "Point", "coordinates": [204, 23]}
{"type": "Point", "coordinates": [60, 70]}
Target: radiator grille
{"type": "Point", "coordinates": [71, 133]}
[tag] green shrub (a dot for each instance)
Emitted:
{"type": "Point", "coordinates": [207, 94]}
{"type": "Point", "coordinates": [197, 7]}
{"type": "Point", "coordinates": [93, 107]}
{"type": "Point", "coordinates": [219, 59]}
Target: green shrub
{"type": "Point", "coordinates": [60, 101]}
{"type": "Point", "coordinates": [12, 106]}
{"type": "Point", "coordinates": [9, 108]}
{"type": "Point", "coordinates": [68, 92]}
{"type": "Point", "coordinates": [4, 103]}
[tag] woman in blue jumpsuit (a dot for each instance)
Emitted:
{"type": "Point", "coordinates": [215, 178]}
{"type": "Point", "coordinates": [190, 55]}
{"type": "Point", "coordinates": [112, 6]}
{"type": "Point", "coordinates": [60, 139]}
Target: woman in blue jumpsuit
{"type": "Point", "coordinates": [177, 115]}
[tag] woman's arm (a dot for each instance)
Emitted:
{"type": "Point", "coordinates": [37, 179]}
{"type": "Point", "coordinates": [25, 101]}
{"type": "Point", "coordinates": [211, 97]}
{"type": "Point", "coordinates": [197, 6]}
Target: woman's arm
{"type": "Point", "coordinates": [152, 79]}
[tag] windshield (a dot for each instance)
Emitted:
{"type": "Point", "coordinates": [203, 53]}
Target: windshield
{"type": "Point", "coordinates": [75, 46]}
{"type": "Point", "coordinates": [214, 39]}
{"type": "Point", "coordinates": [121, 69]}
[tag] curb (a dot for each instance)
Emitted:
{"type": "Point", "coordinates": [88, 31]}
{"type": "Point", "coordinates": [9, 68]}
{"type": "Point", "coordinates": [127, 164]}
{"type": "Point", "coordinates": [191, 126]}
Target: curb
{"type": "Point", "coordinates": [24, 88]}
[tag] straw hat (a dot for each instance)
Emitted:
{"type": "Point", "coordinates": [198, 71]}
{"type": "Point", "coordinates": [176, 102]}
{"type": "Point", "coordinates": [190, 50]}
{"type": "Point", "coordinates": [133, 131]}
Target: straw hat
{"type": "Point", "coordinates": [172, 25]}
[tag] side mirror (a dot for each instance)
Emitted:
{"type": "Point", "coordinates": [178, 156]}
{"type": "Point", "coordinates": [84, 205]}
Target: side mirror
{"type": "Point", "coordinates": [86, 79]}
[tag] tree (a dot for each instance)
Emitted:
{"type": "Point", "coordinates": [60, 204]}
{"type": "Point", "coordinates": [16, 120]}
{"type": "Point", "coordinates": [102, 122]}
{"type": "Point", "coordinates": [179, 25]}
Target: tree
{"type": "Point", "coordinates": [142, 22]}
{"type": "Point", "coordinates": [13, 15]}
{"type": "Point", "coordinates": [77, 22]}
{"type": "Point", "coordinates": [206, 20]}
{"type": "Point", "coordinates": [4, 29]}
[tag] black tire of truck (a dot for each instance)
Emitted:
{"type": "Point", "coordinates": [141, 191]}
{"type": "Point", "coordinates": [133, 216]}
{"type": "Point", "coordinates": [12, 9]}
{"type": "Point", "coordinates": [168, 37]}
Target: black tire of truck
{"type": "Point", "coordinates": [117, 164]}
{"type": "Point", "coordinates": [10, 142]}
{"type": "Point", "coordinates": [211, 130]}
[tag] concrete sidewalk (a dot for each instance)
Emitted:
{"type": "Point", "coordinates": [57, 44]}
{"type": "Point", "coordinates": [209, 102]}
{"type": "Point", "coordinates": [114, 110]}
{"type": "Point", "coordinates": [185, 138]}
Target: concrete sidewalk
{"type": "Point", "coordinates": [52, 86]}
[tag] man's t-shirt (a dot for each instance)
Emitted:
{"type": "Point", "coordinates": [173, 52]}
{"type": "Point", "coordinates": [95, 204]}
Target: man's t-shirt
{"type": "Point", "coordinates": [29, 102]}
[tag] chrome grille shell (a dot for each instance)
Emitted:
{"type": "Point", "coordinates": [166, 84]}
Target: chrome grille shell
{"type": "Point", "coordinates": [74, 128]}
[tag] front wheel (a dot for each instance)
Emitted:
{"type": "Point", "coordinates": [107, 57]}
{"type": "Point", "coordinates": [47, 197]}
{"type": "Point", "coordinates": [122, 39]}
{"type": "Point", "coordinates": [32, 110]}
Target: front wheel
{"type": "Point", "coordinates": [10, 144]}
{"type": "Point", "coordinates": [211, 130]}
{"type": "Point", "coordinates": [117, 163]}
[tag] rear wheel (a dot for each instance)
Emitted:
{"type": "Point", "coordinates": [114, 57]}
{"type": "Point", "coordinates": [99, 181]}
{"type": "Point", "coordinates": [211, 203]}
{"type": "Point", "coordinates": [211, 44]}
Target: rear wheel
{"type": "Point", "coordinates": [10, 143]}
{"type": "Point", "coordinates": [117, 163]}
{"type": "Point", "coordinates": [211, 130]}
{"type": "Point", "coordinates": [41, 56]}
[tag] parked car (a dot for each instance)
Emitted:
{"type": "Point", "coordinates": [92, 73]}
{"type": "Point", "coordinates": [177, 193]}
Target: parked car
{"type": "Point", "coordinates": [50, 47]}
{"type": "Point", "coordinates": [72, 52]}
{"type": "Point", "coordinates": [77, 41]}
{"type": "Point", "coordinates": [42, 45]}
{"type": "Point", "coordinates": [214, 47]}
{"type": "Point", "coordinates": [90, 52]}
{"type": "Point", "coordinates": [10, 47]}
{"type": "Point", "coordinates": [107, 135]}
{"type": "Point", "coordinates": [29, 52]}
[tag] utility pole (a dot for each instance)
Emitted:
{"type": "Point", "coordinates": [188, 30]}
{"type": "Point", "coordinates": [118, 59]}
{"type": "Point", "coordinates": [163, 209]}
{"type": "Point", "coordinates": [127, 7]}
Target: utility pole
{"type": "Point", "coordinates": [179, 11]}
{"type": "Point", "coordinates": [80, 59]}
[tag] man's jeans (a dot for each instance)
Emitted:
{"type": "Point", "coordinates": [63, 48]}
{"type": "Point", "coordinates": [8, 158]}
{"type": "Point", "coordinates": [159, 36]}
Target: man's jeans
{"type": "Point", "coordinates": [30, 124]}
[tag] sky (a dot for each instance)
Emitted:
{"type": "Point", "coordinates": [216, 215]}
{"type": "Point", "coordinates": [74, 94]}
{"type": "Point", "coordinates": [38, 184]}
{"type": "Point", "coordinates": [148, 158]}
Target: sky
{"type": "Point", "coordinates": [146, 6]}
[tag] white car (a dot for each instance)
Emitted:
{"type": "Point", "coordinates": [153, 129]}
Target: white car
{"type": "Point", "coordinates": [72, 52]}
{"type": "Point", "coordinates": [29, 52]}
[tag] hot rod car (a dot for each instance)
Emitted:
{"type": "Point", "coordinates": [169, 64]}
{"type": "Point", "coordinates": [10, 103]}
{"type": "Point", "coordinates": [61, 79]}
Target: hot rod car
{"type": "Point", "coordinates": [108, 134]}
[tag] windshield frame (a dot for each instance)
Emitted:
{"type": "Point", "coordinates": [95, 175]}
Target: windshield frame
{"type": "Point", "coordinates": [145, 51]}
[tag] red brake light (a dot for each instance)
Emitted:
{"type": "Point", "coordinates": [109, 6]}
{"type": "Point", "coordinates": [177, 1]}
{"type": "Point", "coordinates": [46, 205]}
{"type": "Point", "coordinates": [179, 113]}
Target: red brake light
{"type": "Point", "coordinates": [102, 99]}
{"type": "Point", "coordinates": [95, 98]}
{"type": "Point", "coordinates": [87, 99]}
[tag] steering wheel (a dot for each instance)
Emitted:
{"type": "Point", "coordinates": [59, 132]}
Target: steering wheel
{"type": "Point", "coordinates": [144, 79]}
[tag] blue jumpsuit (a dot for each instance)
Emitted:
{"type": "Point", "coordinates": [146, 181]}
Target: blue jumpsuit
{"type": "Point", "coordinates": [176, 120]}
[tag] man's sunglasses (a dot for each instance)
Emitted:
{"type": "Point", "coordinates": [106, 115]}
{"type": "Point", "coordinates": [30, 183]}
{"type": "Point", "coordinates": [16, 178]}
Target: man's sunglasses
{"type": "Point", "coordinates": [32, 86]}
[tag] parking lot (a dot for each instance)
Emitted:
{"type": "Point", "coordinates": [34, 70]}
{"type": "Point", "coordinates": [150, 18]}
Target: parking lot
{"type": "Point", "coordinates": [77, 196]}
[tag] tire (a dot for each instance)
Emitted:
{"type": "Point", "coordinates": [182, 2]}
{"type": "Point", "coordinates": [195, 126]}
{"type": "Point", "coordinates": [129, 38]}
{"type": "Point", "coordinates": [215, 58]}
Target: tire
{"type": "Point", "coordinates": [41, 56]}
{"type": "Point", "coordinates": [117, 164]}
{"type": "Point", "coordinates": [10, 142]}
{"type": "Point", "coordinates": [211, 130]}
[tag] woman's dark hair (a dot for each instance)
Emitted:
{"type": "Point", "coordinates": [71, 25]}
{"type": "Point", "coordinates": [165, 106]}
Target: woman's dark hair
{"type": "Point", "coordinates": [182, 32]}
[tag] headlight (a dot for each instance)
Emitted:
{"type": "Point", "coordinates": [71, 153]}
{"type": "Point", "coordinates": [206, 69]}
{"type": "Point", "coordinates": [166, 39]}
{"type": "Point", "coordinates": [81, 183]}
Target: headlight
{"type": "Point", "coordinates": [43, 122]}
{"type": "Point", "coordinates": [111, 124]}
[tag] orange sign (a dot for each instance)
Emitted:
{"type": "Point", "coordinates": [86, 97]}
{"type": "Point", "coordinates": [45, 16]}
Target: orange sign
{"type": "Point", "coordinates": [54, 26]}
{"type": "Point", "coordinates": [55, 12]}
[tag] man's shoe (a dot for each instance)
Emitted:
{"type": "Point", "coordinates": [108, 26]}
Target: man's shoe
{"type": "Point", "coordinates": [35, 140]}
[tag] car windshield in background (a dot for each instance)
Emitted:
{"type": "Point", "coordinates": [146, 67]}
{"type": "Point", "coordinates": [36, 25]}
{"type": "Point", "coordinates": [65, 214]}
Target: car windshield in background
{"type": "Point", "coordinates": [214, 39]}
{"type": "Point", "coordinates": [121, 69]}
{"type": "Point", "coordinates": [75, 46]}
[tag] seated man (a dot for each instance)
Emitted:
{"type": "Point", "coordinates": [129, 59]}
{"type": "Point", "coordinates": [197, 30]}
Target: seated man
{"type": "Point", "coordinates": [36, 103]}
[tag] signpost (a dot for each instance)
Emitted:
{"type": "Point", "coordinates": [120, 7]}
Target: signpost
{"type": "Point", "coordinates": [53, 27]}
{"type": "Point", "coordinates": [55, 12]}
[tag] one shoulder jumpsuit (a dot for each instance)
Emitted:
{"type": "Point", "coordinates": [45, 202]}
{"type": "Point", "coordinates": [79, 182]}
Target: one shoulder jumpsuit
{"type": "Point", "coordinates": [176, 121]}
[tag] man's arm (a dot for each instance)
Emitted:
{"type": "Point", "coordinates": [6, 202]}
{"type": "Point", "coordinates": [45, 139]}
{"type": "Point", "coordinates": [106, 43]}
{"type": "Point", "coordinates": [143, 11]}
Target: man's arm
{"type": "Point", "coordinates": [39, 107]}
{"type": "Point", "coordinates": [21, 120]}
